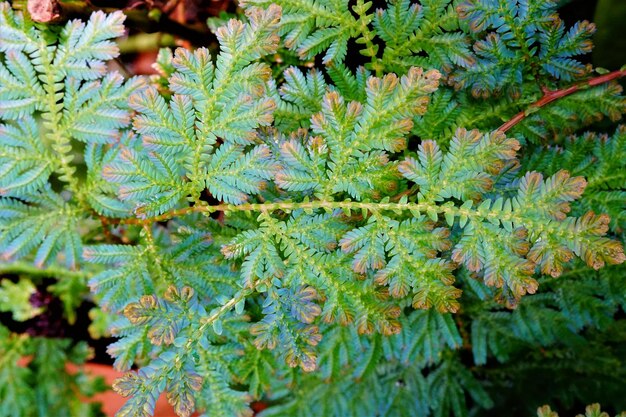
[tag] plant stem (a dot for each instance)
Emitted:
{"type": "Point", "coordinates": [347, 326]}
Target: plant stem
{"type": "Point", "coordinates": [550, 96]}
{"type": "Point", "coordinates": [372, 207]}
{"type": "Point", "coordinates": [51, 271]}
{"type": "Point", "coordinates": [146, 42]}
{"type": "Point", "coordinates": [288, 206]}
{"type": "Point", "coordinates": [230, 304]}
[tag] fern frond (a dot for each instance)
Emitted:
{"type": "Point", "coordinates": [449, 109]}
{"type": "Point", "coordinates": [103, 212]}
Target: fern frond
{"type": "Point", "coordinates": [600, 159]}
{"type": "Point", "coordinates": [58, 78]}
{"type": "Point", "coordinates": [586, 107]}
{"type": "Point", "coordinates": [353, 137]}
{"type": "Point", "coordinates": [25, 163]}
{"type": "Point", "coordinates": [40, 222]}
{"type": "Point", "coordinates": [176, 324]}
{"type": "Point", "coordinates": [429, 30]}
{"type": "Point", "coordinates": [514, 36]}
{"type": "Point", "coordinates": [425, 336]}
{"type": "Point", "coordinates": [327, 220]}
{"type": "Point", "coordinates": [311, 27]}
{"type": "Point", "coordinates": [226, 100]}
{"type": "Point", "coordinates": [129, 280]}
{"type": "Point", "coordinates": [310, 265]}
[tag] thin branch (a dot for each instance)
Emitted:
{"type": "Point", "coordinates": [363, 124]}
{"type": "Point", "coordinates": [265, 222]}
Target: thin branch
{"type": "Point", "coordinates": [550, 96]}
{"type": "Point", "coordinates": [287, 206]}
{"type": "Point", "coordinates": [206, 322]}
{"type": "Point", "coordinates": [16, 268]}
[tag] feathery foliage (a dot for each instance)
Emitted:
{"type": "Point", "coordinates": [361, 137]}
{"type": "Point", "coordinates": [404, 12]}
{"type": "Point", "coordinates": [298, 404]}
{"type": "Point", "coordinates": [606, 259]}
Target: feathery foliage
{"type": "Point", "coordinates": [366, 239]}
{"type": "Point", "coordinates": [62, 81]}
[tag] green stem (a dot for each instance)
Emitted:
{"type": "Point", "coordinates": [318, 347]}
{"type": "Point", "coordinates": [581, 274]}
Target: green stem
{"type": "Point", "coordinates": [60, 145]}
{"type": "Point", "coordinates": [304, 205]}
{"type": "Point", "coordinates": [51, 271]}
{"type": "Point", "coordinates": [230, 304]}
{"type": "Point", "coordinates": [347, 205]}
{"type": "Point", "coordinates": [224, 309]}
{"type": "Point", "coordinates": [146, 42]}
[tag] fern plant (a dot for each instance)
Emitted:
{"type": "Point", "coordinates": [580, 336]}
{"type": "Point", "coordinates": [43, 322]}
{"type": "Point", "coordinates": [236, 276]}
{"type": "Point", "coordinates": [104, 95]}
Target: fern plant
{"type": "Point", "coordinates": [342, 237]}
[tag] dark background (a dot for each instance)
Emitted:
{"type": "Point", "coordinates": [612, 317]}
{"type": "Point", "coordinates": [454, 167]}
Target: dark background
{"type": "Point", "coordinates": [610, 18]}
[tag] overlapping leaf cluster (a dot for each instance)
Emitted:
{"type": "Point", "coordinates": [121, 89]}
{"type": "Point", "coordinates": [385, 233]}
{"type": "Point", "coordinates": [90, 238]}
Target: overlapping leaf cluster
{"type": "Point", "coordinates": [174, 155]}
{"type": "Point", "coordinates": [307, 239]}
{"type": "Point", "coordinates": [506, 53]}
{"type": "Point", "coordinates": [529, 37]}
{"type": "Point", "coordinates": [597, 157]}
{"type": "Point", "coordinates": [55, 91]}
{"type": "Point", "coordinates": [317, 260]}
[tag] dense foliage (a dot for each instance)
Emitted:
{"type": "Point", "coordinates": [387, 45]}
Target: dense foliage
{"type": "Point", "coordinates": [332, 241]}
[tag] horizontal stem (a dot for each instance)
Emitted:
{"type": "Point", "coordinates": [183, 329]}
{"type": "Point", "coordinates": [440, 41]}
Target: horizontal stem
{"type": "Point", "coordinates": [291, 206]}
{"type": "Point", "coordinates": [372, 207]}
{"type": "Point", "coordinates": [51, 271]}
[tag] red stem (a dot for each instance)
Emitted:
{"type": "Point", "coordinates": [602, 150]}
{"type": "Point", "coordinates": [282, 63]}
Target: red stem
{"type": "Point", "coordinates": [548, 97]}
{"type": "Point", "coordinates": [551, 96]}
